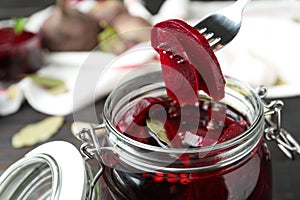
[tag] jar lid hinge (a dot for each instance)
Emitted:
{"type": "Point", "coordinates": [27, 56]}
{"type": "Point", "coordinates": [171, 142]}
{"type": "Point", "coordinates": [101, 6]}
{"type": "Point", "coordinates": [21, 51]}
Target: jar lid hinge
{"type": "Point", "coordinates": [274, 131]}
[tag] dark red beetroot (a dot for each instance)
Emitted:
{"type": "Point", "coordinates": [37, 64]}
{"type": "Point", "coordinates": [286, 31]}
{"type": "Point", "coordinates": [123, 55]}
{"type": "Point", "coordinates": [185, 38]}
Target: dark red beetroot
{"type": "Point", "coordinates": [188, 65]}
{"type": "Point", "coordinates": [19, 53]}
{"type": "Point", "coordinates": [68, 29]}
{"type": "Point", "coordinates": [226, 124]}
{"type": "Point", "coordinates": [188, 62]}
{"type": "Point", "coordinates": [133, 122]}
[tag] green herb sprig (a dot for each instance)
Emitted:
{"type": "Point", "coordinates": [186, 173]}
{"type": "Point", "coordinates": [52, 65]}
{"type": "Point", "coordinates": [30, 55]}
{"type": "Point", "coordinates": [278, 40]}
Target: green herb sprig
{"type": "Point", "coordinates": [19, 25]}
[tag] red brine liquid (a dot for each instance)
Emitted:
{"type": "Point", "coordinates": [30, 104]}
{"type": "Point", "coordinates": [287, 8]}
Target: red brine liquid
{"type": "Point", "coordinates": [234, 182]}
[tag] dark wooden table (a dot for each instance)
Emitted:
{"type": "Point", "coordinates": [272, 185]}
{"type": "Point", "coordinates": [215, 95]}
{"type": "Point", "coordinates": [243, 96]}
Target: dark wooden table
{"type": "Point", "coordinates": [286, 173]}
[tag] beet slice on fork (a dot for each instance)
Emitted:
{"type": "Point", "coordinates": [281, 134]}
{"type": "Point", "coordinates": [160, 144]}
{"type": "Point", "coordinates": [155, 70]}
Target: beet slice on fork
{"type": "Point", "coordinates": [188, 62]}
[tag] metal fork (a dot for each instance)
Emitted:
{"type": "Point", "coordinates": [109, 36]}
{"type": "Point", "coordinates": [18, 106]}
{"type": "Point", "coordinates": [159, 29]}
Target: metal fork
{"type": "Point", "coordinates": [220, 27]}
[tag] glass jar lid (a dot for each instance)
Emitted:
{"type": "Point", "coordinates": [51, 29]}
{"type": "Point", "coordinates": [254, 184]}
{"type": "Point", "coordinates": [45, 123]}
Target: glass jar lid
{"type": "Point", "coordinates": [54, 171]}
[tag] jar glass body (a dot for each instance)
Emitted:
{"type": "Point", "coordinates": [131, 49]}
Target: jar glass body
{"type": "Point", "coordinates": [236, 169]}
{"type": "Point", "coordinates": [19, 54]}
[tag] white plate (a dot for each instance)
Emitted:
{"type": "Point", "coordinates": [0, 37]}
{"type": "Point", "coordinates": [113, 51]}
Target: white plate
{"type": "Point", "coordinates": [66, 69]}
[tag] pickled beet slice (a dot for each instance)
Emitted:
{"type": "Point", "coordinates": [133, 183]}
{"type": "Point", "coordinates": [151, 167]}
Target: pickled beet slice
{"type": "Point", "coordinates": [188, 62]}
{"type": "Point", "coordinates": [232, 131]}
{"type": "Point", "coordinates": [138, 114]}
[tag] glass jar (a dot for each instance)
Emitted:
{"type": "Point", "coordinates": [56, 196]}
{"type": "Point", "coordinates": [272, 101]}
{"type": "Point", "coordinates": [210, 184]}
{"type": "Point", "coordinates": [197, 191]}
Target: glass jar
{"type": "Point", "coordinates": [237, 169]}
{"type": "Point", "coordinates": [19, 54]}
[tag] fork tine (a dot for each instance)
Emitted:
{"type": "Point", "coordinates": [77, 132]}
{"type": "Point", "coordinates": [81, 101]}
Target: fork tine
{"type": "Point", "coordinates": [202, 30]}
{"type": "Point", "coordinates": [225, 23]}
{"type": "Point", "coordinates": [216, 46]}
{"type": "Point", "coordinates": [213, 41]}
{"type": "Point", "coordinates": [208, 35]}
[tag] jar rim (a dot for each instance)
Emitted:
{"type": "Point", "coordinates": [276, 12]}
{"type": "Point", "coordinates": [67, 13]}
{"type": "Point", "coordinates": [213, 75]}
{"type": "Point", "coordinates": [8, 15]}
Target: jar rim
{"type": "Point", "coordinates": [232, 142]}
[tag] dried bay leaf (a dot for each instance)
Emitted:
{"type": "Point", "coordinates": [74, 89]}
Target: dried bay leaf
{"type": "Point", "coordinates": [38, 132]}
{"type": "Point", "coordinates": [46, 81]}
{"type": "Point", "coordinates": [158, 129]}
{"type": "Point", "coordinates": [58, 90]}
{"type": "Point", "coordinates": [53, 85]}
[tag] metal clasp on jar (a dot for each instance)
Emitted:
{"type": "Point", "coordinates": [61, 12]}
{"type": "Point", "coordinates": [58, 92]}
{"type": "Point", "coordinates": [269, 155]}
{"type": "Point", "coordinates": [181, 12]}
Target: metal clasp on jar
{"type": "Point", "coordinates": [89, 148]}
{"type": "Point", "coordinates": [89, 134]}
{"type": "Point", "coordinates": [274, 132]}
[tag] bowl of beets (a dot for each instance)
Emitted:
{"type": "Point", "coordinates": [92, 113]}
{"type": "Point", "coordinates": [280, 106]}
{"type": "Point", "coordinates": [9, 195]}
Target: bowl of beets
{"type": "Point", "coordinates": [20, 53]}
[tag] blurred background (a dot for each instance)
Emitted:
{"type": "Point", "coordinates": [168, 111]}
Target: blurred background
{"type": "Point", "coordinates": [27, 7]}
{"type": "Point", "coordinates": [23, 7]}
